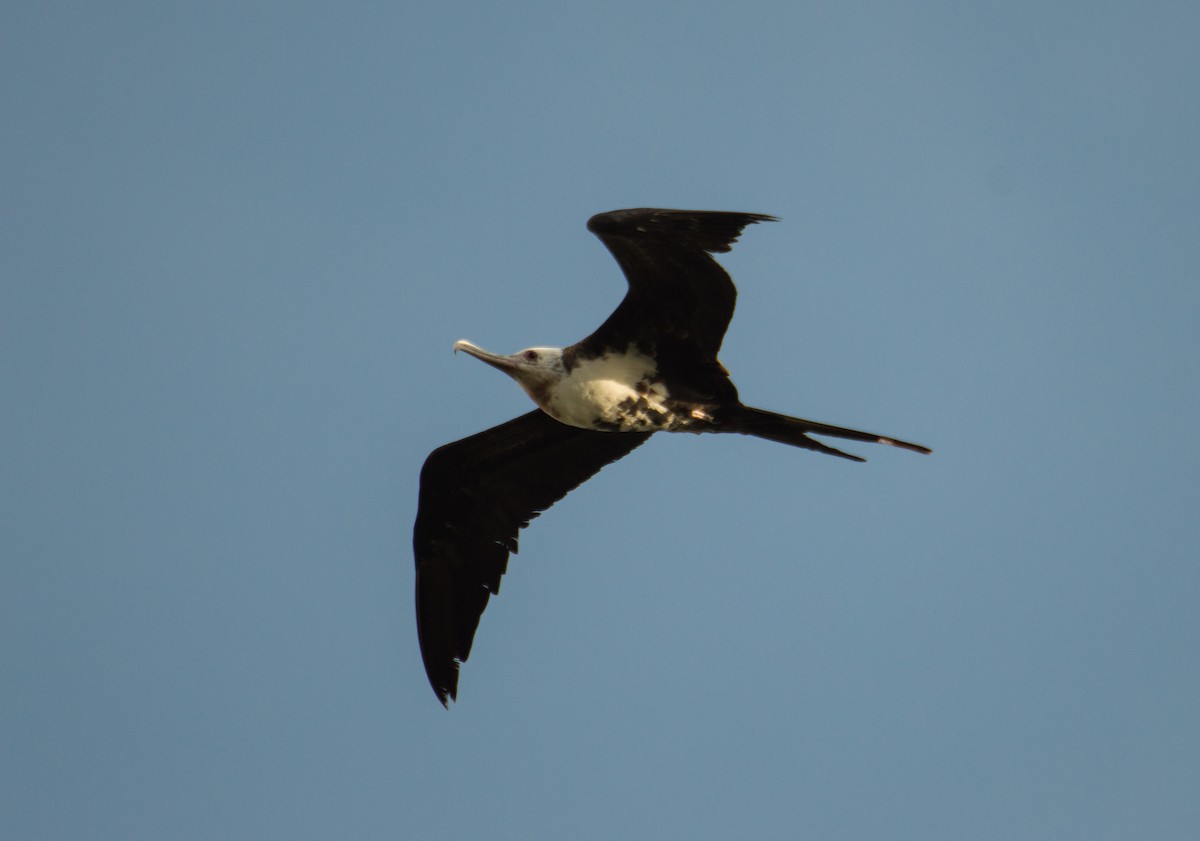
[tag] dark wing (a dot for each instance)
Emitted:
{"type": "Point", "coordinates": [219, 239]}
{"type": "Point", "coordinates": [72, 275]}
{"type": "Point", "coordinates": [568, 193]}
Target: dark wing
{"type": "Point", "coordinates": [476, 494]}
{"type": "Point", "coordinates": [678, 295]}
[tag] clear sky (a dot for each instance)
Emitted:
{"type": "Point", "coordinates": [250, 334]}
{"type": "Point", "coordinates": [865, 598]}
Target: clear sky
{"type": "Point", "coordinates": [239, 240]}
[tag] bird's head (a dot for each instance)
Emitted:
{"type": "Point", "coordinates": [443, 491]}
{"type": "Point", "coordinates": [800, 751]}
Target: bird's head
{"type": "Point", "coordinates": [535, 369]}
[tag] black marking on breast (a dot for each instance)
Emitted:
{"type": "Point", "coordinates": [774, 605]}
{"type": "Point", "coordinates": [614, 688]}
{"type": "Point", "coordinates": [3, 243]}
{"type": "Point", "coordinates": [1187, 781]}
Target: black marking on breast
{"type": "Point", "coordinates": [570, 358]}
{"type": "Point", "coordinates": [641, 409]}
{"type": "Point", "coordinates": [644, 386]}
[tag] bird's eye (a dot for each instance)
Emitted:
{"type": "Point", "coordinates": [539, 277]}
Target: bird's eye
{"type": "Point", "coordinates": [530, 355]}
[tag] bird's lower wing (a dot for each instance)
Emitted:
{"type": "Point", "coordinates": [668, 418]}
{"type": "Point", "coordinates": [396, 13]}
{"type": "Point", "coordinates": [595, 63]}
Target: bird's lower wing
{"type": "Point", "coordinates": [476, 495]}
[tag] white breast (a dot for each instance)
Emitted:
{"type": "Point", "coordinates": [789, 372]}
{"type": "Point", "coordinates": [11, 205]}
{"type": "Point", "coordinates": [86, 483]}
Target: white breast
{"type": "Point", "coordinates": [593, 393]}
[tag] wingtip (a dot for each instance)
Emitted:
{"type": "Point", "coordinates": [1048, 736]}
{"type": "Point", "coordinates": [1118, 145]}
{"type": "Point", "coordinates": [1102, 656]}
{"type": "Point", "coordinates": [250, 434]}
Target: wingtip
{"type": "Point", "coordinates": [445, 694]}
{"type": "Point", "coordinates": [905, 445]}
{"type": "Point", "coordinates": [618, 222]}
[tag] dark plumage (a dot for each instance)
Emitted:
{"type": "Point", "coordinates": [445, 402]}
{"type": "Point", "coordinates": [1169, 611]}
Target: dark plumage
{"type": "Point", "coordinates": [651, 366]}
{"type": "Point", "coordinates": [476, 494]}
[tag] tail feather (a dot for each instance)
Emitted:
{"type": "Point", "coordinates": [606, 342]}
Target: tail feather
{"type": "Point", "coordinates": [794, 431]}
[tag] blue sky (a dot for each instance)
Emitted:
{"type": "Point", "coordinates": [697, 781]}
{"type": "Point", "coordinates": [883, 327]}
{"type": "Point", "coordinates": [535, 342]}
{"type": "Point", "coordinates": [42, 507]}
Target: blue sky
{"type": "Point", "coordinates": [239, 241]}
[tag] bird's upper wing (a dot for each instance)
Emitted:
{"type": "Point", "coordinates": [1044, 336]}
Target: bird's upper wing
{"type": "Point", "coordinates": [678, 295]}
{"type": "Point", "coordinates": [476, 494]}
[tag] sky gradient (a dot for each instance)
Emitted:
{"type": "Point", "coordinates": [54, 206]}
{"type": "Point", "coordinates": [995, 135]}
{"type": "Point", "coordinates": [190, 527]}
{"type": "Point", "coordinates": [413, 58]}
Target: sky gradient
{"type": "Point", "coordinates": [239, 241]}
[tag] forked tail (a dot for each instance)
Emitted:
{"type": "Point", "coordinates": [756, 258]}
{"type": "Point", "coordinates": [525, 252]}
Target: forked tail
{"type": "Point", "coordinates": [795, 431]}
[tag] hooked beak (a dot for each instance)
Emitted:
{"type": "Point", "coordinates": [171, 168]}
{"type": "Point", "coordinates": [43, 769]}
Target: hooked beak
{"type": "Point", "coordinates": [507, 364]}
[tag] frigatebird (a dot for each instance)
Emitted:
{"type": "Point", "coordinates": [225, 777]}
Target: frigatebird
{"type": "Point", "coordinates": [651, 367]}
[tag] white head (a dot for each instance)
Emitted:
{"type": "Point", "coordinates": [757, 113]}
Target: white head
{"type": "Point", "coordinates": [536, 369]}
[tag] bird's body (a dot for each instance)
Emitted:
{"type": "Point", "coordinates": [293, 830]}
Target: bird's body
{"type": "Point", "coordinates": [615, 391]}
{"type": "Point", "coordinates": [650, 367]}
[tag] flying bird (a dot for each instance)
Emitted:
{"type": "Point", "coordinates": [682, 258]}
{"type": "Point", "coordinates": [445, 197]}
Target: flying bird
{"type": "Point", "coordinates": [650, 367]}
